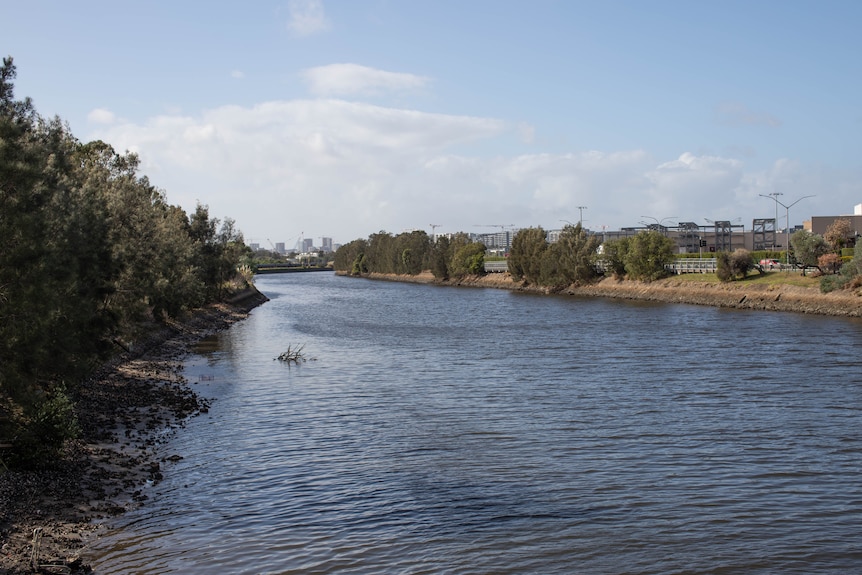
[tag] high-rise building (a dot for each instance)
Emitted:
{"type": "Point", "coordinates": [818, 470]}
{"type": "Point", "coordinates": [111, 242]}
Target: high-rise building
{"type": "Point", "coordinates": [307, 244]}
{"type": "Point", "coordinates": [327, 244]}
{"type": "Point", "coordinates": [279, 247]}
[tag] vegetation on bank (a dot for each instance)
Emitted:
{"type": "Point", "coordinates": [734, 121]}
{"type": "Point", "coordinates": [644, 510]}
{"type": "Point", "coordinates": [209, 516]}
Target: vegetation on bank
{"type": "Point", "coordinates": [90, 249]}
{"type": "Point", "coordinates": [577, 258]}
{"type": "Point", "coordinates": [410, 253]}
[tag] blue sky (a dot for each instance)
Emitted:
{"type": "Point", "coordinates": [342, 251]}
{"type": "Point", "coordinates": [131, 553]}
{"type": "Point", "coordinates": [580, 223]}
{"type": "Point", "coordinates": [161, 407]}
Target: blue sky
{"type": "Point", "coordinates": [344, 118]}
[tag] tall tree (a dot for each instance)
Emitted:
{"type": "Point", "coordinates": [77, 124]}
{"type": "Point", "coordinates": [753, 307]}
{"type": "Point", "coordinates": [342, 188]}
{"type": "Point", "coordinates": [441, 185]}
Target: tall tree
{"type": "Point", "coordinates": [649, 254]}
{"type": "Point", "coordinates": [525, 258]}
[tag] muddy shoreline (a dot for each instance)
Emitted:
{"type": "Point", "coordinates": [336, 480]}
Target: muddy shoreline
{"type": "Point", "coordinates": [126, 410]}
{"type": "Point", "coordinates": [737, 295]}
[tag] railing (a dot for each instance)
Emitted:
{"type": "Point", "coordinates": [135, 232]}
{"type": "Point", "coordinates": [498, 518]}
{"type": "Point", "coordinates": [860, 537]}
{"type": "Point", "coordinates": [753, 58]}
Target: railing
{"type": "Point", "coordinates": [679, 266]}
{"type": "Point", "coordinates": [693, 266]}
{"type": "Point", "coordinates": [500, 266]}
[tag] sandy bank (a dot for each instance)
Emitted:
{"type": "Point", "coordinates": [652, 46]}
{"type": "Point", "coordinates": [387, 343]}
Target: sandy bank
{"type": "Point", "coordinates": [739, 295]}
{"type": "Point", "coordinates": [126, 411]}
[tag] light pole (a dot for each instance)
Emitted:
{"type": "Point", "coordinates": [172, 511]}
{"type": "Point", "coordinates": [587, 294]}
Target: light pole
{"type": "Point", "coordinates": [581, 217]}
{"type": "Point", "coordinates": [659, 225]}
{"type": "Point", "coordinates": [787, 214]}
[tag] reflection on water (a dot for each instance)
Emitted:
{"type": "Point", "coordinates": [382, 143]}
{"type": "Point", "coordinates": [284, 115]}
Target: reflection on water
{"type": "Point", "coordinates": [446, 430]}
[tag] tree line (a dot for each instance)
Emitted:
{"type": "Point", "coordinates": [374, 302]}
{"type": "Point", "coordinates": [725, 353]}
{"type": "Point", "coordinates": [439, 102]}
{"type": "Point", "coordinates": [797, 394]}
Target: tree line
{"type": "Point", "coordinates": [411, 253]}
{"type": "Point", "coordinates": [579, 257]}
{"type": "Point", "coordinates": [89, 250]}
{"type": "Point", "coordinates": [573, 259]}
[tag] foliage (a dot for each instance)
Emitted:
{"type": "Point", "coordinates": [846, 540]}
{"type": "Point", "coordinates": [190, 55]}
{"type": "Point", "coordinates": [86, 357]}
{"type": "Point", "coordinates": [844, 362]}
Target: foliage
{"type": "Point", "coordinates": [525, 257]}
{"type": "Point", "coordinates": [730, 266]}
{"type": "Point", "coordinates": [807, 248]}
{"type": "Point", "coordinates": [469, 259]}
{"type": "Point", "coordinates": [614, 254]}
{"type": "Point", "coordinates": [406, 253]}
{"type": "Point", "coordinates": [829, 263]}
{"type": "Point", "coordinates": [350, 257]}
{"type": "Point", "coordinates": [576, 253]}
{"type": "Point", "coordinates": [838, 234]}
{"type": "Point", "coordinates": [438, 261]}
{"type": "Point", "coordinates": [89, 248]}
{"type": "Point", "coordinates": [50, 424]}
{"type": "Point", "coordinates": [648, 256]}
{"type": "Point", "coordinates": [849, 277]}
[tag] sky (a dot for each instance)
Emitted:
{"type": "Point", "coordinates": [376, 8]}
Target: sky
{"type": "Point", "coordinates": [343, 118]}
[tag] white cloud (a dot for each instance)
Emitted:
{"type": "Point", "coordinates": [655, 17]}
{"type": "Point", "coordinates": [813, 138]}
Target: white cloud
{"type": "Point", "coordinates": [306, 17]}
{"type": "Point", "coordinates": [353, 80]}
{"type": "Point", "coordinates": [238, 74]}
{"type": "Point", "coordinates": [101, 116]}
{"type": "Point", "coordinates": [346, 170]}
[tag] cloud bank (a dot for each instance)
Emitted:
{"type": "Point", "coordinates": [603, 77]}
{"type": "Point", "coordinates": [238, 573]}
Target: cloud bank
{"type": "Point", "coordinates": [345, 169]}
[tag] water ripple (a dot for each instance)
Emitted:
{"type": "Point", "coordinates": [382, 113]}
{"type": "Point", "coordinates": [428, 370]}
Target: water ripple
{"type": "Point", "coordinates": [482, 431]}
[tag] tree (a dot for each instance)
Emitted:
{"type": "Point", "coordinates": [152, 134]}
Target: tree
{"type": "Point", "coordinates": [849, 276]}
{"type": "Point", "coordinates": [349, 255]}
{"type": "Point", "coordinates": [649, 255]}
{"type": "Point", "coordinates": [614, 255]}
{"type": "Point", "coordinates": [439, 262]}
{"type": "Point", "coordinates": [525, 257]}
{"type": "Point", "coordinates": [469, 259]}
{"type": "Point", "coordinates": [830, 263]}
{"type": "Point", "coordinates": [838, 234]}
{"type": "Point", "coordinates": [807, 248]}
{"type": "Point", "coordinates": [577, 252]}
{"type": "Point", "coordinates": [734, 265]}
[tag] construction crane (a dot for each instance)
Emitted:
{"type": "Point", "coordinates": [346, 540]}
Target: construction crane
{"type": "Point", "coordinates": [434, 232]}
{"type": "Point", "coordinates": [272, 245]}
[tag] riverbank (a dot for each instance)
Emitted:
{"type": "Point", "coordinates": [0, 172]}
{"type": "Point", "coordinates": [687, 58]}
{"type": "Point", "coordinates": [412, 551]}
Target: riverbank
{"type": "Point", "coordinates": [737, 295]}
{"type": "Point", "coordinates": [126, 412]}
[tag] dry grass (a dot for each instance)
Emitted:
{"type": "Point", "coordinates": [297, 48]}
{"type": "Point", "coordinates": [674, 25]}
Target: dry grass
{"type": "Point", "coordinates": [773, 278]}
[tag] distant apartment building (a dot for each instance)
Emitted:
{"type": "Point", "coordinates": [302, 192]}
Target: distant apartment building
{"type": "Point", "coordinates": [326, 244]}
{"type": "Point", "coordinates": [279, 247]}
{"type": "Point", "coordinates": [307, 245]}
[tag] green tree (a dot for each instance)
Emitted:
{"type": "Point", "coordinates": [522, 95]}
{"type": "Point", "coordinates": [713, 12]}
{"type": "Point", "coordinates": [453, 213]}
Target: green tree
{"type": "Point", "coordinates": [577, 253]}
{"type": "Point", "coordinates": [439, 261]}
{"type": "Point", "coordinates": [848, 277]}
{"type": "Point", "coordinates": [349, 255]}
{"type": "Point", "coordinates": [525, 257]}
{"type": "Point", "coordinates": [649, 255]}
{"type": "Point", "coordinates": [734, 265]}
{"type": "Point", "coordinates": [415, 248]}
{"type": "Point", "coordinates": [614, 254]}
{"type": "Point", "coordinates": [807, 248]}
{"type": "Point", "coordinates": [469, 259]}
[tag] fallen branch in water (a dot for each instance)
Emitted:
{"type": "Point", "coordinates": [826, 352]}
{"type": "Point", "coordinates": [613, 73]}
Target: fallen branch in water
{"type": "Point", "coordinates": [292, 355]}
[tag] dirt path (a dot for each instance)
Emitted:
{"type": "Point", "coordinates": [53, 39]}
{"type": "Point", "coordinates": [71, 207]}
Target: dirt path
{"type": "Point", "coordinates": [126, 410]}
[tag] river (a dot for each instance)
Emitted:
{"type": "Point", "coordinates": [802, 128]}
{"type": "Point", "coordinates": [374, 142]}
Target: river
{"type": "Point", "coordinates": [448, 430]}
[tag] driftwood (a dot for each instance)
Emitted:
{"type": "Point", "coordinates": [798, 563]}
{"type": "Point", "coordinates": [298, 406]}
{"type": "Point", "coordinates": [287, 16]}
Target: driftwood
{"type": "Point", "coordinates": [292, 355]}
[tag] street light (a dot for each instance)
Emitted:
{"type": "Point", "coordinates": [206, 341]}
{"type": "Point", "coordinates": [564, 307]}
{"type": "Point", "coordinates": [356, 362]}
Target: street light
{"type": "Point", "coordinates": [581, 217]}
{"type": "Point", "coordinates": [658, 223]}
{"type": "Point", "coordinates": [774, 195]}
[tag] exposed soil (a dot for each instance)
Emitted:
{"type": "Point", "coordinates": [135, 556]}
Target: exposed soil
{"type": "Point", "coordinates": [126, 410]}
{"type": "Point", "coordinates": [739, 294]}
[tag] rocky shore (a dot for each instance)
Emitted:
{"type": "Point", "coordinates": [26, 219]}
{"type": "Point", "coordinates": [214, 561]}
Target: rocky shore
{"type": "Point", "coordinates": [126, 411]}
{"type": "Point", "coordinates": [738, 295]}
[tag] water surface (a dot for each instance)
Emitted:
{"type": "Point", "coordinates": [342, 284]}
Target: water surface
{"type": "Point", "coordinates": [468, 431]}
